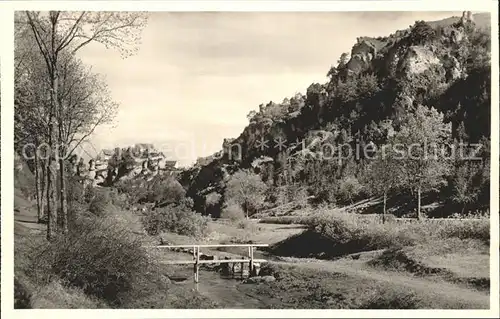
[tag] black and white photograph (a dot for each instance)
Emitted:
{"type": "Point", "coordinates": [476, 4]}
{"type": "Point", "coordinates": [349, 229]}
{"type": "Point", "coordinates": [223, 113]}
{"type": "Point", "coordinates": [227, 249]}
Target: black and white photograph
{"type": "Point", "coordinates": [253, 160]}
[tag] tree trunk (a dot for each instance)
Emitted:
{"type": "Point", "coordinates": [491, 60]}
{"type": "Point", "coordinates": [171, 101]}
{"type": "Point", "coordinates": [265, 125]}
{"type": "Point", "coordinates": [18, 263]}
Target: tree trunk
{"type": "Point", "coordinates": [43, 190]}
{"type": "Point", "coordinates": [62, 182]}
{"type": "Point", "coordinates": [418, 203]}
{"type": "Point", "coordinates": [62, 198]}
{"type": "Point", "coordinates": [51, 163]}
{"type": "Point", "coordinates": [38, 188]}
{"type": "Point", "coordinates": [51, 199]}
{"type": "Point", "coordinates": [385, 205]}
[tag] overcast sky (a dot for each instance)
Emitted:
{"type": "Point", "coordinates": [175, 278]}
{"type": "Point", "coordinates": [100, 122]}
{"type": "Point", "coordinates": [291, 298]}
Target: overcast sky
{"type": "Point", "coordinates": [197, 75]}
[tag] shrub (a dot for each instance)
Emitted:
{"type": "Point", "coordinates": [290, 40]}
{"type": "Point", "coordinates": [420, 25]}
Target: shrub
{"type": "Point", "coordinates": [176, 219]}
{"type": "Point", "coordinates": [134, 189]}
{"type": "Point", "coordinates": [57, 295]}
{"type": "Point", "coordinates": [187, 203]}
{"type": "Point", "coordinates": [421, 32]}
{"type": "Point", "coordinates": [167, 189]}
{"type": "Point", "coordinates": [248, 226]}
{"type": "Point", "coordinates": [233, 211]}
{"type": "Point", "coordinates": [99, 203]}
{"type": "Point", "coordinates": [89, 193]}
{"type": "Point", "coordinates": [212, 203]}
{"type": "Point", "coordinates": [75, 190]}
{"type": "Point", "coordinates": [99, 256]}
{"type": "Point", "coordinates": [342, 233]}
{"type": "Point", "coordinates": [76, 210]}
{"type": "Point", "coordinates": [464, 229]}
{"type": "Point", "coordinates": [394, 298]}
{"type": "Point", "coordinates": [349, 189]}
{"type": "Point", "coordinates": [22, 298]}
{"type": "Point", "coordinates": [118, 200]}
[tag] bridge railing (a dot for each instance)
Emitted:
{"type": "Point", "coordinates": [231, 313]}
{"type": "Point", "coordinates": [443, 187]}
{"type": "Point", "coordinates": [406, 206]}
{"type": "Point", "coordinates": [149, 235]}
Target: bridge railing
{"type": "Point", "coordinates": [197, 262]}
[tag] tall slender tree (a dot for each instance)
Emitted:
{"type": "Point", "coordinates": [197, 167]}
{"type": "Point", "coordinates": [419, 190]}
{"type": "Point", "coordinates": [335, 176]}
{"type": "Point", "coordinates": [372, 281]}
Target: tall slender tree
{"type": "Point", "coordinates": [422, 145]}
{"type": "Point", "coordinates": [58, 33]}
{"type": "Point", "coordinates": [385, 174]}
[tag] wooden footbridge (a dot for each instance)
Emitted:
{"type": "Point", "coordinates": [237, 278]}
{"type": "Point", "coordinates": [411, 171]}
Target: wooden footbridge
{"type": "Point", "coordinates": [197, 261]}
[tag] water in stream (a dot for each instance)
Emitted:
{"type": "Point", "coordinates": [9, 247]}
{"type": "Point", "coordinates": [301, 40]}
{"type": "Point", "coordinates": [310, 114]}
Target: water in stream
{"type": "Point", "coordinates": [224, 291]}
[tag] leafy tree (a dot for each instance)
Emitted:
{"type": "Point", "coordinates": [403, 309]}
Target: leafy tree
{"type": "Point", "coordinates": [212, 201]}
{"type": "Point", "coordinates": [349, 188]}
{"type": "Point", "coordinates": [165, 191]}
{"type": "Point", "coordinates": [246, 189]}
{"type": "Point", "coordinates": [422, 146]}
{"type": "Point", "coordinates": [421, 32]}
{"type": "Point", "coordinates": [466, 188]}
{"type": "Point", "coordinates": [385, 174]}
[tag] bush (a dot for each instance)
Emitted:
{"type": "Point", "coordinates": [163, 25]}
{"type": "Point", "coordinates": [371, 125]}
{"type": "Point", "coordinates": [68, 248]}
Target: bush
{"type": "Point", "coordinates": [135, 190]}
{"type": "Point", "coordinates": [167, 190]}
{"type": "Point", "coordinates": [118, 200]}
{"type": "Point", "coordinates": [340, 233]}
{"type": "Point", "coordinates": [464, 229]}
{"type": "Point", "coordinates": [212, 203]}
{"type": "Point", "coordinates": [176, 219]}
{"type": "Point", "coordinates": [57, 295]}
{"type": "Point", "coordinates": [76, 210]}
{"type": "Point", "coordinates": [75, 190]}
{"type": "Point", "coordinates": [249, 226]}
{"type": "Point", "coordinates": [187, 202]}
{"type": "Point", "coordinates": [349, 189]}
{"type": "Point", "coordinates": [99, 203]}
{"type": "Point", "coordinates": [233, 211]}
{"type": "Point", "coordinates": [89, 194]}
{"type": "Point", "coordinates": [99, 256]}
{"type": "Point", "coordinates": [22, 298]}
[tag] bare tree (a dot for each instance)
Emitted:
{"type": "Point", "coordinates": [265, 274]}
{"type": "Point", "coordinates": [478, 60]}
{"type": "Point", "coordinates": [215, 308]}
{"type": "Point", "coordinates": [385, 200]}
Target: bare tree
{"type": "Point", "coordinates": [31, 105]}
{"type": "Point", "coordinates": [58, 33]}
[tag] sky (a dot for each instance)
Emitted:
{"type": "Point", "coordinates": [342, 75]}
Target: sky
{"type": "Point", "coordinates": [198, 74]}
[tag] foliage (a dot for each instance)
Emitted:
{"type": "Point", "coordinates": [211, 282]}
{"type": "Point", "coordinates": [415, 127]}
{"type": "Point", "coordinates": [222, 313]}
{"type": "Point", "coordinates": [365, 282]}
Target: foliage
{"type": "Point", "coordinates": [233, 211]}
{"type": "Point", "coordinates": [100, 203]}
{"type": "Point", "coordinates": [58, 295]}
{"type": "Point", "coordinates": [421, 32]}
{"type": "Point", "coordinates": [465, 185]}
{"type": "Point", "coordinates": [247, 189]}
{"type": "Point", "coordinates": [165, 190]}
{"type": "Point", "coordinates": [212, 199]}
{"type": "Point", "coordinates": [422, 145]}
{"type": "Point", "coordinates": [212, 203]}
{"type": "Point", "coordinates": [175, 219]}
{"type": "Point", "coordinates": [100, 256]}
{"type": "Point", "coordinates": [349, 188]}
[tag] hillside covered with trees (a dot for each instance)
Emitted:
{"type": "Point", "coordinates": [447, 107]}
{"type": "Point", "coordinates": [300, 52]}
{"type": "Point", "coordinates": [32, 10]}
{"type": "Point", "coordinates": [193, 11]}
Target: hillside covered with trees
{"type": "Point", "coordinates": [426, 86]}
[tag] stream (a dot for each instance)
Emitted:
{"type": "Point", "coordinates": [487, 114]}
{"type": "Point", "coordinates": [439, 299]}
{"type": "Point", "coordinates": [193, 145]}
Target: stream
{"type": "Point", "coordinates": [224, 291]}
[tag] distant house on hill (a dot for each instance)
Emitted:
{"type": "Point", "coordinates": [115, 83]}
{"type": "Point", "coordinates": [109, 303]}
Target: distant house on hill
{"type": "Point", "coordinates": [105, 155]}
{"type": "Point", "coordinates": [143, 148]}
{"type": "Point", "coordinates": [170, 164]}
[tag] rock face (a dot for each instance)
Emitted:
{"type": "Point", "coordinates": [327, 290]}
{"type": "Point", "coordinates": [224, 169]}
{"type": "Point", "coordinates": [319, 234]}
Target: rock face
{"type": "Point", "coordinates": [362, 54]}
{"type": "Point", "coordinates": [141, 160]}
{"type": "Point", "coordinates": [419, 59]}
